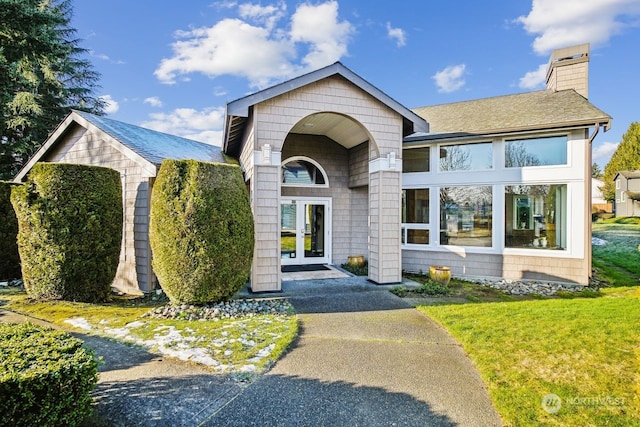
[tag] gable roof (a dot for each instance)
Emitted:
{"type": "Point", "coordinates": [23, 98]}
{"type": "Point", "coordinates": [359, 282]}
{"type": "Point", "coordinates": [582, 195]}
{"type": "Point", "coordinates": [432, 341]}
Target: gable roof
{"type": "Point", "coordinates": [545, 109]}
{"type": "Point", "coordinates": [155, 146]}
{"type": "Point", "coordinates": [141, 144]}
{"type": "Point", "coordinates": [629, 174]}
{"type": "Point", "coordinates": [238, 110]}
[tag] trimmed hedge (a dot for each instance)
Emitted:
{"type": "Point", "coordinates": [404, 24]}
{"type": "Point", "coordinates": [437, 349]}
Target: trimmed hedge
{"type": "Point", "coordinates": [201, 231]}
{"type": "Point", "coordinates": [9, 257]}
{"type": "Point", "coordinates": [69, 231]}
{"type": "Point", "coordinates": [46, 377]}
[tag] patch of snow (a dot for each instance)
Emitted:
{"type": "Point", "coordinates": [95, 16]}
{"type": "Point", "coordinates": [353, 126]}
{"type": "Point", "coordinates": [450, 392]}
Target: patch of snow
{"type": "Point", "coordinates": [117, 332]}
{"type": "Point", "coordinates": [79, 322]}
{"type": "Point", "coordinates": [247, 368]}
{"type": "Point", "coordinates": [135, 324]}
{"type": "Point", "coordinates": [598, 242]}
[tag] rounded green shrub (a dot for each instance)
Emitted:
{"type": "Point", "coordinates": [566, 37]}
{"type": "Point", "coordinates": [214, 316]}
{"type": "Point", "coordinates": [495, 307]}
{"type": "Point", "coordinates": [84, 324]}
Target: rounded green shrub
{"type": "Point", "coordinates": [201, 231]}
{"type": "Point", "coordinates": [46, 377]}
{"type": "Point", "coordinates": [9, 257]}
{"type": "Point", "coordinates": [69, 231]}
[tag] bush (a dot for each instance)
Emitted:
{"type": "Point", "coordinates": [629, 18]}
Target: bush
{"type": "Point", "coordinates": [46, 377]}
{"type": "Point", "coordinates": [9, 257]}
{"type": "Point", "coordinates": [201, 231]}
{"type": "Point", "coordinates": [69, 231]}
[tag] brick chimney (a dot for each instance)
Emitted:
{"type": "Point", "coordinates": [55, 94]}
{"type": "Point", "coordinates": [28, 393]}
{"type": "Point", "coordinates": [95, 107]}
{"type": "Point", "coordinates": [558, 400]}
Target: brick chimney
{"type": "Point", "coordinates": [569, 69]}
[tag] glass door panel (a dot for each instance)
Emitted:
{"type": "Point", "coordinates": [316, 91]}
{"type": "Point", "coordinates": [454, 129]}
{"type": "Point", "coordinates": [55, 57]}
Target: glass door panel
{"type": "Point", "coordinates": [288, 230]}
{"type": "Point", "coordinates": [304, 232]}
{"type": "Point", "coordinates": [314, 230]}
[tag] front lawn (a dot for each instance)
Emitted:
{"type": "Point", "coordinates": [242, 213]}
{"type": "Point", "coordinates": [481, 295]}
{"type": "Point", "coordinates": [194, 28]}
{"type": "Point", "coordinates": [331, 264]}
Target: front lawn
{"type": "Point", "coordinates": [228, 345]}
{"type": "Point", "coordinates": [617, 259]}
{"type": "Point", "coordinates": [585, 351]}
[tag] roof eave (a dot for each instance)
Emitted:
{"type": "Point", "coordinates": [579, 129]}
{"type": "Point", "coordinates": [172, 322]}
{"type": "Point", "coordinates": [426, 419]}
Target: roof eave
{"type": "Point", "coordinates": [585, 123]}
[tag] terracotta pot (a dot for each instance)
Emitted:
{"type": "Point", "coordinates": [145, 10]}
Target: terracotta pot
{"type": "Point", "coordinates": [440, 274]}
{"type": "Point", "coordinates": [356, 260]}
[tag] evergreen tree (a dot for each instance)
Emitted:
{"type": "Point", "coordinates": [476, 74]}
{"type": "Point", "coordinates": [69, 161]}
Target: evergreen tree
{"type": "Point", "coordinates": [596, 172]}
{"type": "Point", "coordinates": [42, 76]}
{"type": "Point", "coordinates": [625, 158]}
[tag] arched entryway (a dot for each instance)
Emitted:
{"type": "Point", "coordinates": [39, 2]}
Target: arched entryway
{"type": "Point", "coordinates": [324, 197]}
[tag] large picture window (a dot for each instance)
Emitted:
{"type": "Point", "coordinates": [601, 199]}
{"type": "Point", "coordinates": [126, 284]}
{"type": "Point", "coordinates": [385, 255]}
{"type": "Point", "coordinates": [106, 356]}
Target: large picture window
{"type": "Point", "coordinates": [535, 216]}
{"type": "Point", "coordinates": [416, 160]}
{"type": "Point", "coordinates": [415, 216]}
{"type": "Point", "coordinates": [466, 157]}
{"type": "Point", "coordinates": [466, 216]}
{"type": "Point", "coordinates": [535, 152]}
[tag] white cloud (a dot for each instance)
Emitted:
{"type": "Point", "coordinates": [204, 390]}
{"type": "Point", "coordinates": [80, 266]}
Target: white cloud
{"type": "Point", "coordinates": [450, 79]}
{"type": "Point", "coordinates": [260, 50]}
{"type": "Point", "coordinates": [569, 22]}
{"type": "Point", "coordinates": [605, 150]}
{"type": "Point", "coordinates": [204, 126]}
{"type": "Point", "coordinates": [398, 34]}
{"type": "Point", "coordinates": [154, 101]}
{"type": "Point", "coordinates": [318, 26]}
{"type": "Point", "coordinates": [534, 79]}
{"type": "Point", "coordinates": [268, 15]}
{"type": "Point", "coordinates": [111, 106]}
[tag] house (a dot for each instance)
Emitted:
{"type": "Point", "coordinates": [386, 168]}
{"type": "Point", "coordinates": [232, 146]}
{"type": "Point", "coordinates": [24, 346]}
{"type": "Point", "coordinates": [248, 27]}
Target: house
{"type": "Point", "coordinates": [598, 202]}
{"type": "Point", "coordinates": [136, 153]}
{"type": "Point", "coordinates": [627, 193]}
{"type": "Point", "coordinates": [497, 187]}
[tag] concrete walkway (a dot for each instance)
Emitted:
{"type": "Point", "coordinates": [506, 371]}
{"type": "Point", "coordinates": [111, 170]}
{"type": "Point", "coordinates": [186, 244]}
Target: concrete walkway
{"type": "Point", "coordinates": [363, 357]}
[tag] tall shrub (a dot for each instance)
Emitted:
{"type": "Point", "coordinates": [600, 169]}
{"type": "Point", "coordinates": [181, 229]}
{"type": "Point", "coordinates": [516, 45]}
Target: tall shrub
{"type": "Point", "coordinates": [9, 257]}
{"type": "Point", "coordinates": [201, 231]}
{"type": "Point", "coordinates": [69, 230]}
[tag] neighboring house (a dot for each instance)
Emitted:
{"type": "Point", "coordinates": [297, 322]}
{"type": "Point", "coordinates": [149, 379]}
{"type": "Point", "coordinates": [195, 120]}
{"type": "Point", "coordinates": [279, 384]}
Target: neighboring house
{"type": "Point", "coordinates": [136, 153]}
{"type": "Point", "coordinates": [627, 193]}
{"type": "Point", "coordinates": [497, 187]}
{"type": "Point", "coordinates": [598, 202]}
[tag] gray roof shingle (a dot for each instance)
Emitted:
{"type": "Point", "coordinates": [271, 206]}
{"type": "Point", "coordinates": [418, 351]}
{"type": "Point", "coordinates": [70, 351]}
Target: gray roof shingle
{"type": "Point", "coordinates": [153, 145]}
{"type": "Point", "coordinates": [525, 111]}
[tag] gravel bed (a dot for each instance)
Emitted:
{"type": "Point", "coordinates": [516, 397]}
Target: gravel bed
{"type": "Point", "coordinates": [233, 309]}
{"type": "Point", "coordinates": [517, 287]}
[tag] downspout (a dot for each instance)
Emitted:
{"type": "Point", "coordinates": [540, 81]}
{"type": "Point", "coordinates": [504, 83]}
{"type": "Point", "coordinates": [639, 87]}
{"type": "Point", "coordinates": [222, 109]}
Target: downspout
{"type": "Point", "coordinates": [588, 201]}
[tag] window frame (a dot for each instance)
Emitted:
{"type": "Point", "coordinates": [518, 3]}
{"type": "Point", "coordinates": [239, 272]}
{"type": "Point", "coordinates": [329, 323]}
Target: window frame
{"type": "Point", "coordinates": [308, 160]}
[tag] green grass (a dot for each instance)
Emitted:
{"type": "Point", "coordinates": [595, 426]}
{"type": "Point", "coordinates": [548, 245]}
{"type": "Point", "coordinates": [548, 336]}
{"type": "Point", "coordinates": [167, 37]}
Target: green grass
{"type": "Point", "coordinates": [580, 348]}
{"type": "Point", "coordinates": [618, 262]}
{"type": "Point", "coordinates": [264, 330]}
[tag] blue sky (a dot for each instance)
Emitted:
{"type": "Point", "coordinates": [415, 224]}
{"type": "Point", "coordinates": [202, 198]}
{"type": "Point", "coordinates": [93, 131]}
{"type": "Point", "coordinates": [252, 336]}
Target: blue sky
{"type": "Point", "coordinates": [173, 65]}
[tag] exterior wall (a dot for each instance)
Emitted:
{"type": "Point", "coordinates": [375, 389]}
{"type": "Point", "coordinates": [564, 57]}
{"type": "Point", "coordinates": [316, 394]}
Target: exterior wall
{"type": "Point", "coordinates": [134, 272]}
{"type": "Point", "coordinates": [495, 266]}
{"type": "Point", "coordinates": [359, 165]}
{"type": "Point", "coordinates": [273, 120]}
{"type": "Point", "coordinates": [571, 264]}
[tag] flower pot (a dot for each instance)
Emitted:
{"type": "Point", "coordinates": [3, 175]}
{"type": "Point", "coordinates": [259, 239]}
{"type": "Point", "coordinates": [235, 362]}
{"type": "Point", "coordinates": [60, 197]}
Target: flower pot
{"type": "Point", "coordinates": [440, 274]}
{"type": "Point", "coordinates": [356, 260]}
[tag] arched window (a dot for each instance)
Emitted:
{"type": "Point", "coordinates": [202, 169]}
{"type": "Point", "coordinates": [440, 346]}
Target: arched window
{"type": "Point", "coordinates": [303, 172]}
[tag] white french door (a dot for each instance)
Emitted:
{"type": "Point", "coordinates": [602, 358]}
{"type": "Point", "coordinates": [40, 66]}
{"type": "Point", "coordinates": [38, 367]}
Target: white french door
{"type": "Point", "coordinates": [305, 230]}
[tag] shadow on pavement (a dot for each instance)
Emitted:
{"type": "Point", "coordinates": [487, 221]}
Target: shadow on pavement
{"type": "Point", "coordinates": [161, 401]}
{"type": "Point", "coordinates": [277, 400]}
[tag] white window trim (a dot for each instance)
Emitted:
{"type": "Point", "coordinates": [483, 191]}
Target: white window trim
{"type": "Point", "coordinates": [313, 162]}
